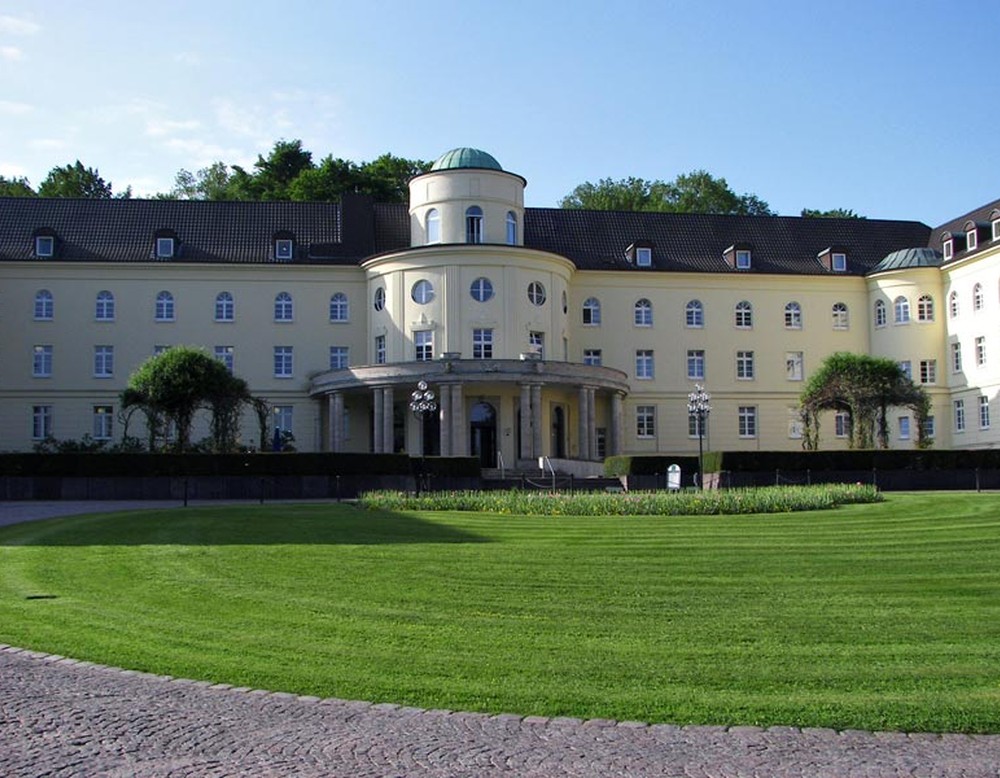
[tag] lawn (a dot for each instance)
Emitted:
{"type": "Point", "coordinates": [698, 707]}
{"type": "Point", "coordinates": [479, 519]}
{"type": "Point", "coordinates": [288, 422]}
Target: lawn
{"type": "Point", "coordinates": [883, 616]}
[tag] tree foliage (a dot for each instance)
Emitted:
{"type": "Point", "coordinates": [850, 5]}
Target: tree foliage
{"type": "Point", "coordinates": [695, 192]}
{"type": "Point", "coordinates": [865, 387]}
{"type": "Point", "coordinates": [75, 181]}
{"type": "Point", "coordinates": [15, 187]}
{"type": "Point", "coordinates": [833, 213]}
{"type": "Point", "coordinates": [172, 386]}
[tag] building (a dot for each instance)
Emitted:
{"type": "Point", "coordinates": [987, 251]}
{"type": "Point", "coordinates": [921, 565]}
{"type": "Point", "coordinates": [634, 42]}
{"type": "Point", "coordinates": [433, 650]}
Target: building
{"type": "Point", "coordinates": [543, 332]}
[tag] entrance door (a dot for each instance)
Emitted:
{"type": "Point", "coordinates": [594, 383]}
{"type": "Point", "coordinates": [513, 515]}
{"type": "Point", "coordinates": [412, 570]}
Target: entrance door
{"type": "Point", "coordinates": [483, 430]}
{"type": "Point", "coordinates": [559, 432]}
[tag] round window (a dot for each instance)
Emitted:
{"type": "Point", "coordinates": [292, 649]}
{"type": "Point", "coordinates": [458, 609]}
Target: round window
{"type": "Point", "coordinates": [536, 293]}
{"type": "Point", "coordinates": [481, 290]}
{"type": "Point", "coordinates": [422, 292]}
{"type": "Point", "coordinates": [379, 299]}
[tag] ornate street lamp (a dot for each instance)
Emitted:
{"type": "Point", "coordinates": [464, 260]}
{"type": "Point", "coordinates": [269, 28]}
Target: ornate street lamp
{"type": "Point", "coordinates": [699, 408]}
{"type": "Point", "coordinates": [423, 402]}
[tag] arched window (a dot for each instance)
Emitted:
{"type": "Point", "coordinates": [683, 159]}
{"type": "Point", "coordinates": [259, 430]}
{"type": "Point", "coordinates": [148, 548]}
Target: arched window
{"type": "Point", "coordinates": [473, 224]}
{"type": "Point", "coordinates": [338, 307]}
{"type": "Point", "coordinates": [511, 229]}
{"type": "Point", "coordinates": [953, 304]}
{"type": "Point", "coordinates": [433, 226]}
{"type": "Point", "coordinates": [643, 313]}
{"type": "Point", "coordinates": [901, 310]}
{"type": "Point", "coordinates": [105, 310]}
{"type": "Point", "coordinates": [880, 316]}
{"type": "Point", "coordinates": [283, 307]}
{"type": "Point", "coordinates": [225, 308]}
{"type": "Point", "coordinates": [925, 308]}
{"type": "Point", "coordinates": [744, 315]}
{"type": "Point", "coordinates": [592, 311]}
{"type": "Point", "coordinates": [793, 316]}
{"type": "Point", "coordinates": [977, 297]}
{"type": "Point", "coordinates": [694, 314]}
{"type": "Point", "coordinates": [840, 320]}
{"type": "Point", "coordinates": [164, 306]}
{"type": "Point", "coordinates": [44, 306]}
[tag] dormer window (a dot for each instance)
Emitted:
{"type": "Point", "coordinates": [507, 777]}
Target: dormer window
{"type": "Point", "coordinates": [838, 262]}
{"type": "Point", "coordinates": [643, 256]}
{"type": "Point", "coordinates": [45, 246]}
{"type": "Point", "coordinates": [283, 249]}
{"type": "Point", "coordinates": [834, 259]}
{"type": "Point", "coordinates": [995, 223]}
{"type": "Point", "coordinates": [947, 248]}
{"type": "Point", "coordinates": [164, 248]}
{"type": "Point", "coordinates": [742, 259]}
{"type": "Point", "coordinates": [971, 236]}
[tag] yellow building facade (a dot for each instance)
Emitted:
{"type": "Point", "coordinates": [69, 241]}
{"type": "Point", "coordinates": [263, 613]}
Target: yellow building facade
{"type": "Point", "coordinates": [572, 335]}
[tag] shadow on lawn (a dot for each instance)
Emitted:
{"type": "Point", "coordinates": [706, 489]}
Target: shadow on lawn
{"type": "Point", "coordinates": [339, 524]}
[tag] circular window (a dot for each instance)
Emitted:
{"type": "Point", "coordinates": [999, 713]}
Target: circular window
{"type": "Point", "coordinates": [481, 290]}
{"type": "Point", "coordinates": [536, 293]}
{"type": "Point", "coordinates": [379, 299]}
{"type": "Point", "coordinates": [422, 292]}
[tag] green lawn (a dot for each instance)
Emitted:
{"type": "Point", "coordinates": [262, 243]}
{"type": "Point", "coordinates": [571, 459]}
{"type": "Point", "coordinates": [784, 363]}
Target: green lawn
{"type": "Point", "coordinates": [882, 616]}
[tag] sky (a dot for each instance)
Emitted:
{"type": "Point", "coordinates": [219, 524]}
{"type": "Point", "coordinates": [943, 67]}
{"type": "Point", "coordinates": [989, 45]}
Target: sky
{"type": "Point", "coordinates": [883, 107]}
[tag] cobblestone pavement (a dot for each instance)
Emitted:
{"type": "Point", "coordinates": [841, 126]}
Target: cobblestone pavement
{"type": "Point", "coordinates": [60, 717]}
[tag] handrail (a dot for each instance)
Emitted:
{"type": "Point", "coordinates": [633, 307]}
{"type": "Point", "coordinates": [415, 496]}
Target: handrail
{"type": "Point", "coordinates": [546, 461]}
{"type": "Point", "coordinates": [500, 462]}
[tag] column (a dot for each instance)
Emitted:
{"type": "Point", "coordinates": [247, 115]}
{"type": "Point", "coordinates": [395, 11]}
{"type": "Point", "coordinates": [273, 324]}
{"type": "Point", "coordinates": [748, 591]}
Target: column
{"type": "Point", "coordinates": [525, 452]}
{"type": "Point", "coordinates": [387, 420]}
{"type": "Point", "coordinates": [617, 424]}
{"type": "Point", "coordinates": [377, 426]}
{"type": "Point", "coordinates": [445, 411]}
{"type": "Point", "coordinates": [536, 420]}
{"type": "Point", "coordinates": [591, 423]}
{"type": "Point", "coordinates": [459, 436]}
{"type": "Point", "coordinates": [335, 405]}
{"type": "Point", "coordinates": [583, 430]}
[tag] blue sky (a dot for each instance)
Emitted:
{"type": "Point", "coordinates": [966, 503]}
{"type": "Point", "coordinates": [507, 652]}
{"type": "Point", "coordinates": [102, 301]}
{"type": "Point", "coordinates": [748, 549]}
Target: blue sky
{"type": "Point", "coordinates": [882, 107]}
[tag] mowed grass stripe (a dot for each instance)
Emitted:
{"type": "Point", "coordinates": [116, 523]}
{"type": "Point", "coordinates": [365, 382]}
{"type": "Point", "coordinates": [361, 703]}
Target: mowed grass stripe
{"type": "Point", "coordinates": [881, 616]}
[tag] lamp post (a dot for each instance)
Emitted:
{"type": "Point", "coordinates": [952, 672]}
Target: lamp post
{"type": "Point", "coordinates": [699, 408]}
{"type": "Point", "coordinates": [423, 401]}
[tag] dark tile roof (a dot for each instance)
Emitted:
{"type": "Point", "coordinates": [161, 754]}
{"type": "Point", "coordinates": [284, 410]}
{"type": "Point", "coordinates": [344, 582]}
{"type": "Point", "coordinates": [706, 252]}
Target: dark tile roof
{"type": "Point", "coordinates": [597, 240]}
{"type": "Point", "coordinates": [392, 227]}
{"type": "Point", "coordinates": [125, 230]}
{"type": "Point", "coordinates": [981, 216]}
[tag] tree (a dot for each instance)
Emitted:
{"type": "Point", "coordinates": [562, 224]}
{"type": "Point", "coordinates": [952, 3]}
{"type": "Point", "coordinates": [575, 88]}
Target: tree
{"type": "Point", "coordinates": [326, 182]}
{"type": "Point", "coordinates": [695, 192]}
{"type": "Point", "coordinates": [16, 187]}
{"type": "Point", "coordinates": [833, 213]}
{"type": "Point", "coordinates": [865, 388]}
{"type": "Point", "coordinates": [75, 181]}
{"type": "Point", "coordinates": [283, 165]}
{"type": "Point", "coordinates": [173, 385]}
{"type": "Point", "coordinates": [209, 183]}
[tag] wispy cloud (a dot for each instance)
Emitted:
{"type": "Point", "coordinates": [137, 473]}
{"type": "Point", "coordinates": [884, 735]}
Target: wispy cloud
{"type": "Point", "coordinates": [158, 128]}
{"type": "Point", "coordinates": [11, 53]}
{"type": "Point", "coordinates": [14, 26]}
{"type": "Point", "coordinates": [11, 108]}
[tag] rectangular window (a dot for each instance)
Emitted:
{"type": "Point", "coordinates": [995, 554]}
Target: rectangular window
{"type": "Point", "coordinates": [842, 424]}
{"type": "Point", "coordinates": [338, 357]}
{"type": "Point", "coordinates": [104, 361]}
{"type": "Point", "coordinates": [601, 442]}
{"type": "Point", "coordinates": [981, 350]}
{"type": "Point", "coordinates": [972, 239]}
{"type": "Point", "coordinates": [904, 427]}
{"type": "Point", "coordinates": [41, 422]}
{"type": "Point", "coordinates": [929, 428]}
{"type": "Point", "coordinates": [482, 344]}
{"type": "Point", "coordinates": [644, 257]}
{"type": "Point", "coordinates": [536, 343]}
{"type": "Point", "coordinates": [644, 364]}
{"type": "Point", "coordinates": [423, 342]}
{"type": "Point", "coordinates": [282, 361]}
{"type": "Point", "coordinates": [793, 365]}
{"type": "Point", "coordinates": [164, 248]}
{"type": "Point", "coordinates": [592, 356]}
{"type": "Point", "coordinates": [742, 259]}
{"type": "Point", "coordinates": [906, 368]}
{"type": "Point", "coordinates": [928, 371]}
{"type": "Point", "coordinates": [748, 421]}
{"type": "Point", "coordinates": [283, 418]}
{"type": "Point", "coordinates": [103, 422]}
{"type": "Point", "coordinates": [380, 353]}
{"type": "Point", "coordinates": [959, 415]}
{"type": "Point", "coordinates": [956, 357]}
{"type": "Point", "coordinates": [948, 249]}
{"type": "Point", "coordinates": [984, 412]}
{"type": "Point", "coordinates": [225, 355]}
{"type": "Point", "coordinates": [696, 364]}
{"type": "Point", "coordinates": [645, 421]}
{"type": "Point", "coordinates": [996, 229]}
{"type": "Point", "coordinates": [45, 246]}
{"type": "Point", "coordinates": [838, 262]}
{"type": "Point", "coordinates": [41, 362]}
{"type": "Point", "coordinates": [744, 365]}
{"type": "Point", "coordinates": [283, 249]}
{"type": "Point", "coordinates": [694, 424]}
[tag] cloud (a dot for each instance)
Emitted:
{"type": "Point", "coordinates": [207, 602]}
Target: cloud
{"type": "Point", "coordinates": [203, 153]}
{"type": "Point", "coordinates": [12, 170]}
{"type": "Point", "coordinates": [158, 128]}
{"type": "Point", "coordinates": [14, 26]}
{"type": "Point", "coordinates": [11, 108]}
{"type": "Point", "coordinates": [11, 53]}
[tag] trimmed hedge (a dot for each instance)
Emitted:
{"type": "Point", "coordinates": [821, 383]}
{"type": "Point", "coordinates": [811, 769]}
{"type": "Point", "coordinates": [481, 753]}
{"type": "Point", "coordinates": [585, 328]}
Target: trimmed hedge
{"type": "Point", "coordinates": [650, 465]}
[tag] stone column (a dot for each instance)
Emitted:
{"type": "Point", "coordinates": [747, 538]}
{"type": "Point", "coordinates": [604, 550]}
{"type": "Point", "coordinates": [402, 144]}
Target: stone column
{"type": "Point", "coordinates": [536, 420]}
{"type": "Point", "coordinates": [445, 411]}
{"type": "Point", "coordinates": [377, 426]}
{"type": "Point", "coordinates": [335, 405]}
{"type": "Point", "coordinates": [583, 429]}
{"type": "Point", "coordinates": [387, 420]}
{"type": "Point", "coordinates": [459, 443]}
{"type": "Point", "coordinates": [591, 423]}
{"type": "Point", "coordinates": [525, 452]}
{"type": "Point", "coordinates": [617, 424]}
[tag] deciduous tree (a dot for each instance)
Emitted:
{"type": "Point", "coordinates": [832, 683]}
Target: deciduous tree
{"type": "Point", "coordinates": [75, 181]}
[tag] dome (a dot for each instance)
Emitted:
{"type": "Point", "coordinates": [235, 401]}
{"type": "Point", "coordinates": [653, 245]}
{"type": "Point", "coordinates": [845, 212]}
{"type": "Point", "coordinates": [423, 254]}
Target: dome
{"type": "Point", "coordinates": [909, 258]}
{"type": "Point", "coordinates": [465, 158]}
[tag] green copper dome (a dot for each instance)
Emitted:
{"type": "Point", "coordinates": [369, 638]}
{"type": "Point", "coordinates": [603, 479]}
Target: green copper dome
{"type": "Point", "coordinates": [465, 158]}
{"type": "Point", "coordinates": [908, 258]}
